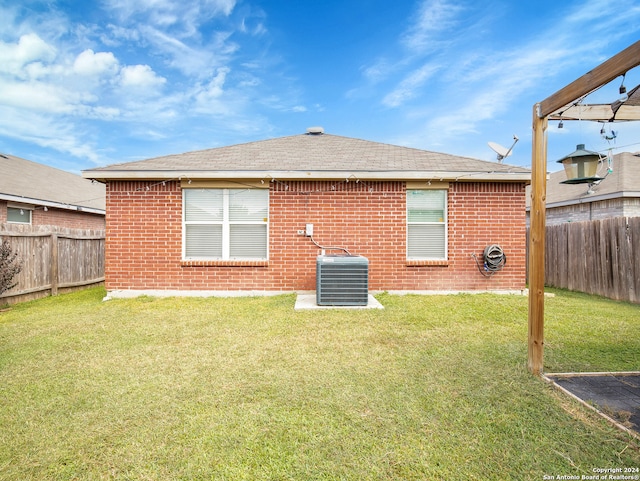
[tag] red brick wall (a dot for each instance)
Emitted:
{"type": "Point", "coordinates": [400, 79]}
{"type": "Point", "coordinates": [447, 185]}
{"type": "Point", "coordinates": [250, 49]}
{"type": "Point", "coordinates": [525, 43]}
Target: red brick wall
{"type": "Point", "coordinates": [482, 214]}
{"type": "Point", "coordinates": [144, 237]}
{"type": "Point", "coordinates": [60, 218]}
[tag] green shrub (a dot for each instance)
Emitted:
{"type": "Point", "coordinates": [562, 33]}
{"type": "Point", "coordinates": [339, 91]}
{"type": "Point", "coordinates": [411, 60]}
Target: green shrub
{"type": "Point", "coordinates": [10, 266]}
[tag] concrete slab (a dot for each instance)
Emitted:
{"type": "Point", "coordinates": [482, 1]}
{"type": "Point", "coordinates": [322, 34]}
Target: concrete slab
{"type": "Point", "coordinates": [308, 302]}
{"type": "Point", "coordinates": [130, 294]}
{"type": "Point", "coordinates": [127, 294]}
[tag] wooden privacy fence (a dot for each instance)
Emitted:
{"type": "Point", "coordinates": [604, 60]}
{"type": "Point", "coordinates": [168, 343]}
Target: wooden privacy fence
{"type": "Point", "coordinates": [53, 259]}
{"type": "Point", "coordinates": [597, 257]}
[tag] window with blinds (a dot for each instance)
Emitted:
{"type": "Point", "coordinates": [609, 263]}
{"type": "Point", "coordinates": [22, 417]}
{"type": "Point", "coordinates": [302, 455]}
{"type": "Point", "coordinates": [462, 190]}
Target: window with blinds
{"type": "Point", "coordinates": [427, 224]}
{"type": "Point", "coordinates": [226, 224]}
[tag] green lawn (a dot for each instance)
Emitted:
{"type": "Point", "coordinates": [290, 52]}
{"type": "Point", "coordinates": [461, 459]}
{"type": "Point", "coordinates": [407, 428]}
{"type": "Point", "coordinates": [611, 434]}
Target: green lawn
{"type": "Point", "coordinates": [430, 388]}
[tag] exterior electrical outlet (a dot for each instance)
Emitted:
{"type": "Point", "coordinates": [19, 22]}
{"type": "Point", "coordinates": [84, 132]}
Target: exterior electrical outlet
{"type": "Point", "coordinates": [342, 280]}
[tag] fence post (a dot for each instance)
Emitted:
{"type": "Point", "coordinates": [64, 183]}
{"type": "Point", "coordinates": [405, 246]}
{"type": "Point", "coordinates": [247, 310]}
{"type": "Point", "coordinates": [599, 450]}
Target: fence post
{"type": "Point", "coordinates": [54, 264]}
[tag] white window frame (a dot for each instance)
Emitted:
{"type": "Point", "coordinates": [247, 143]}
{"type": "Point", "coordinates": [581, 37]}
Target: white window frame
{"type": "Point", "coordinates": [26, 209]}
{"type": "Point", "coordinates": [226, 224]}
{"type": "Point", "coordinates": [444, 223]}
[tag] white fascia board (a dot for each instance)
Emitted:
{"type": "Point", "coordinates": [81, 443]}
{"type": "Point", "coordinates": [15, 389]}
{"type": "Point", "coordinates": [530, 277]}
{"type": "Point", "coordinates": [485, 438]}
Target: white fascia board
{"type": "Point", "coordinates": [141, 175]}
{"type": "Point", "coordinates": [593, 198]}
{"type": "Point", "coordinates": [49, 203]}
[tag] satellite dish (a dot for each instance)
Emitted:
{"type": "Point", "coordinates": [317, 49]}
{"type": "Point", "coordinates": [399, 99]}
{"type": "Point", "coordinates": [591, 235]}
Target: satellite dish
{"type": "Point", "coordinates": [503, 151]}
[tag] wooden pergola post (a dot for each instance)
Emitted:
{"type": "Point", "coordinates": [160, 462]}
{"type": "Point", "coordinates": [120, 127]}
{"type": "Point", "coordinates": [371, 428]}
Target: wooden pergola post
{"type": "Point", "coordinates": [537, 234]}
{"type": "Point", "coordinates": [599, 76]}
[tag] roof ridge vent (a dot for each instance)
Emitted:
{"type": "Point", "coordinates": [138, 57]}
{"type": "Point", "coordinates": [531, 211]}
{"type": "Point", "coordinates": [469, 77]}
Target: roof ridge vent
{"type": "Point", "coordinates": [315, 130]}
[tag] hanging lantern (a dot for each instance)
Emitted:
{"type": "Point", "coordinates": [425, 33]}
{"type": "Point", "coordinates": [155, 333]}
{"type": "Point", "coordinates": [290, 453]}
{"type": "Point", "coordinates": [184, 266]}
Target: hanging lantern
{"type": "Point", "coordinates": [581, 166]}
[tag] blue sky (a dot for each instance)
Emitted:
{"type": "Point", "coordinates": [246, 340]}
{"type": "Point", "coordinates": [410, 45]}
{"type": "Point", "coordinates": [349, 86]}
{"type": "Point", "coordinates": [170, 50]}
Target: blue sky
{"type": "Point", "coordinates": [90, 83]}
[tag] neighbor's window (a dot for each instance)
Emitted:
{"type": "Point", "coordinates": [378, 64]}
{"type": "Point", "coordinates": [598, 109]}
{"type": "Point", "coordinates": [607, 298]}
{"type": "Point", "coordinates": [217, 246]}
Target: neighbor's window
{"type": "Point", "coordinates": [427, 224]}
{"type": "Point", "coordinates": [18, 215]}
{"type": "Point", "coordinates": [225, 224]}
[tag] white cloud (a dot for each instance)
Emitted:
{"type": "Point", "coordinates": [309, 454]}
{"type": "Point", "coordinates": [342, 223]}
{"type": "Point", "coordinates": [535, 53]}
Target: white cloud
{"type": "Point", "coordinates": [38, 97]}
{"type": "Point", "coordinates": [479, 86]}
{"type": "Point", "coordinates": [49, 94]}
{"type": "Point", "coordinates": [115, 35]}
{"type": "Point", "coordinates": [215, 87]}
{"type": "Point", "coordinates": [209, 98]}
{"type": "Point", "coordinates": [105, 113]}
{"type": "Point", "coordinates": [409, 87]}
{"type": "Point", "coordinates": [189, 58]}
{"type": "Point", "coordinates": [251, 27]}
{"type": "Point", "coordinates": [434, 18]}
{"type": "Point", "coordinates": [595, 13]}
{"type": "Point", "coordinates": [58, 95]}
{"type": "Point", "coordinates": [428, 34]}
{"type": "Point", "coordinates": [140, 77]}
{"type": "Point", "coordinates": [378, 71]}
{"type": "Point", "coordinates": [29, 48]}
{"type": "Point", "coordinates": [45, 131]}
{"type": "Point", "coordinates": [95, 64]}
{"type": "Point", "coordinates": [186, 16]}
{"type": "Point", "coordinates": [40, 71]}
{"type": "Point", "coordinates": [173, 30]}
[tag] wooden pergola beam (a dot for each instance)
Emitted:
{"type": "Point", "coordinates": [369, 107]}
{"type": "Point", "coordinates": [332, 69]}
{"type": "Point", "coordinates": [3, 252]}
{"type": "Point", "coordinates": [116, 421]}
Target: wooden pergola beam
{"type": "Point", "coordinates": [596, 78]}
{"type": "Point", "coordinates": [597, 113]}
{"type": "Point", "coordinates": [599, 76]}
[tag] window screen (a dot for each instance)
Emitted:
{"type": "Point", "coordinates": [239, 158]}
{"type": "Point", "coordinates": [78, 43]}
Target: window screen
{"type": "Point", "coordinates": [225, 223]}
{"type": "Point", "coordinates": [426, 224]}
{"type": "Point", "coordinates": [20, 216]}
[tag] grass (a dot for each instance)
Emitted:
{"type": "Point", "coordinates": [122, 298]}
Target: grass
{"type": "Point", "coordinates": [248, 389]}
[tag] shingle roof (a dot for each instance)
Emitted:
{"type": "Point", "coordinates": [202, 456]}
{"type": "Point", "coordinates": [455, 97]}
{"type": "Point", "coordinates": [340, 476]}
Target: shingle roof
{"type": "Point", "coordinates": [26, 181]}
{"type": "Point", "coordinates": [623, 181]}
{"type": "Point", "coordinates": [309, 156]}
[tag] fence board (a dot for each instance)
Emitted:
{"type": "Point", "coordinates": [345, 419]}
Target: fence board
{"type": "Point", "coordinates": [53, 258]}
{"type": "Point", "coordinates": [634, 236]}
{"type": "Point", "coordinates": [597, 257]}
{"type": "Point", "coordinates": [617, 245]}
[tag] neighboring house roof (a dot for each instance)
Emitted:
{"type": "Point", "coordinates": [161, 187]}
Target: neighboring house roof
{"type": "Point", "coordinates": [312, 156]}
{"type": "Point", "coordinates": [624, 181]}
{"type": "Point", "coordinates": [28, 182]}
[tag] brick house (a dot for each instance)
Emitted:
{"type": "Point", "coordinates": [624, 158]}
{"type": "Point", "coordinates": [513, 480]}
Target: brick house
{"type": "Point", "coordinates": [234, 218]}
{"type": "Point", "coordinates": [618, 195]}
{"type": "Point", "coordinates": [38, 195]}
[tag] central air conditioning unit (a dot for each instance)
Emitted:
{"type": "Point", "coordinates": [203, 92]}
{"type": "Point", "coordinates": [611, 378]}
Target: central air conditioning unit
{"type": "Point", "coordinates": [342, 280]}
